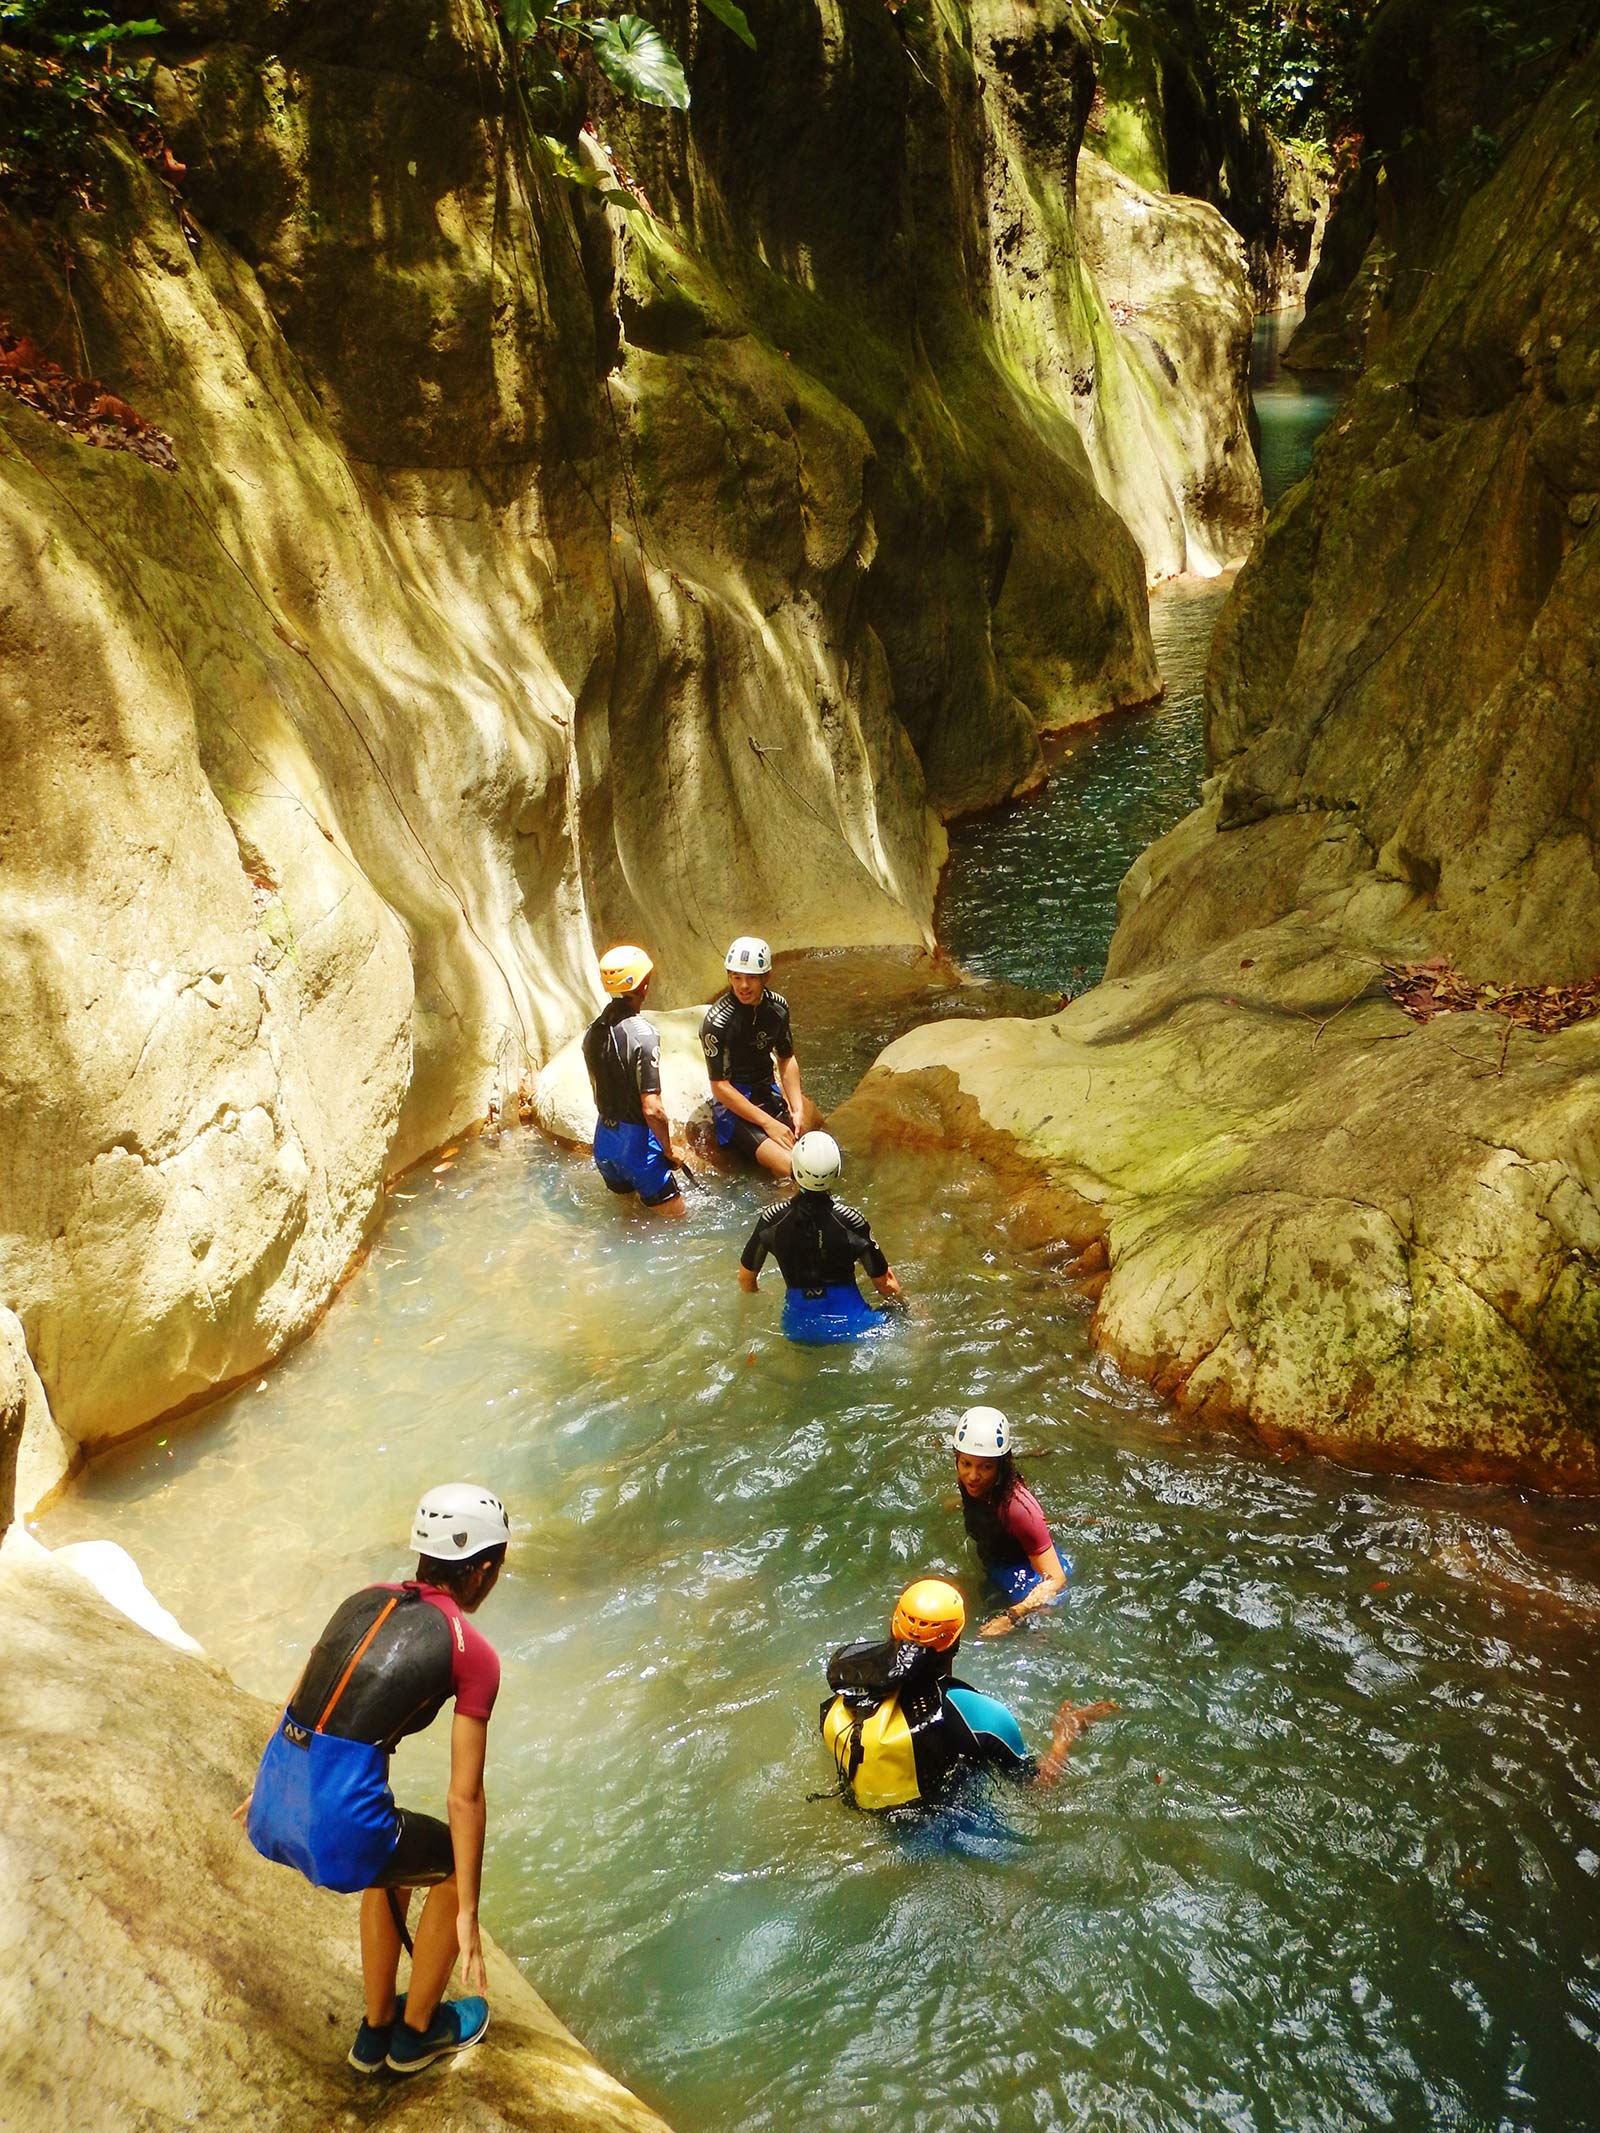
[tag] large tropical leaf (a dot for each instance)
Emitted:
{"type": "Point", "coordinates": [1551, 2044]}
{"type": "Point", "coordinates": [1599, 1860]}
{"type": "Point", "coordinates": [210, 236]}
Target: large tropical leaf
{"type": "Point", "coordinates": [726, 12]}
{"type": "Point", "coordinates": [638, 59]}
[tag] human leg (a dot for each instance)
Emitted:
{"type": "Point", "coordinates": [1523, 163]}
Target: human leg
{"type": "Point", "coordinates": [771, 1157]}
{"type": "Point", "coordinates": [433, 1954]}
{"type": "Point", "coordinates": [380, 1952]}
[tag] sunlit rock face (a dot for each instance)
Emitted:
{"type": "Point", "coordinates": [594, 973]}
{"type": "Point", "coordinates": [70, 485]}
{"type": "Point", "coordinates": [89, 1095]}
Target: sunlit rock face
{"type": "Point", "coordinates": [522, 575]}
{"type": "Point", "coordinates": [1309, 1212]}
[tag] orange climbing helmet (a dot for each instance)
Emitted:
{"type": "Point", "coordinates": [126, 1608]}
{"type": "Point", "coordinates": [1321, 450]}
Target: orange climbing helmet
{"type": "Point", "coordinates": [624, 970]}
{"type": "Point", "coordinates": [930, 1612]}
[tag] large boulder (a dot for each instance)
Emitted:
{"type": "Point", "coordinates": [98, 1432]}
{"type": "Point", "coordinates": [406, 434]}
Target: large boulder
{"type": "Point", "coordinates": [563, 1103]}
{"type": "Point", "coordinates": [157, 1973]}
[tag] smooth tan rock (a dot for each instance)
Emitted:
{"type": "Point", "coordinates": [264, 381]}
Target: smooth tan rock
{"type": "Point", "coordinates": [156, 1973]}
{"type": "Point", "coordinates": [563, 1105]}
{"type": "Point", "coordinates": [35, 1458]}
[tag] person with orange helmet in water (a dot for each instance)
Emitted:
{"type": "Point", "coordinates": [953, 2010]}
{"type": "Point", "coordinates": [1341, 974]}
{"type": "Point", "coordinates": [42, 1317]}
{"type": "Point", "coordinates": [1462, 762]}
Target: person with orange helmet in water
{"type": "Point", "coordinates": [633, 1147]}
{"type": "Point", "coordinates": [899, 1723]}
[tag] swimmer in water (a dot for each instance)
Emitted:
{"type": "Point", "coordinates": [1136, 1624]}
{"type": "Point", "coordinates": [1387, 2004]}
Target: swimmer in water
{"type": "Point", "coordinates": [1004, 1521]}
{"type": "Point", "coordinates": [817, 1242]}
{"type": "Point", "coordinates": [385, 1666]}
{"type": "Point", "coordinates": [633, 1147]}
{"type": "Point", "coordinates": [756, 1099]}
{"type": "Point", "coordinates": [899, 1724]}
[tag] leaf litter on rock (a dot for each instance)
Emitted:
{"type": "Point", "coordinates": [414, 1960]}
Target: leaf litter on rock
{"type": "Point", "coordinates": [1423, 990]}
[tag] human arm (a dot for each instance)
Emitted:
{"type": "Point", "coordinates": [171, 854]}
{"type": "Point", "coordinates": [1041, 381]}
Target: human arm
{"type": "Point", "coordinates": [753, 1258]}
{"type": "Point", "coordinates": [789, 1083]}
{"type": "Point", "coordinates": [655, 1117]}
{"type": "Point", "coordinates": [1053, 1582]}
{"type": "Point", "coordinates": [888, 1287]}
{"type": "Point", "coordinates": [469, 1815]}
{"type": "Point", "coordinates": [1071, 1720]}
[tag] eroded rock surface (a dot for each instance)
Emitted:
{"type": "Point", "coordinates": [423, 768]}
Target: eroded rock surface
{"type": "Point", "coordinates": [1304, 1211]}
{"type": "Point", "coordinates": [157, 1973]}
{"type": "Point", "coordinates": [521, 574]}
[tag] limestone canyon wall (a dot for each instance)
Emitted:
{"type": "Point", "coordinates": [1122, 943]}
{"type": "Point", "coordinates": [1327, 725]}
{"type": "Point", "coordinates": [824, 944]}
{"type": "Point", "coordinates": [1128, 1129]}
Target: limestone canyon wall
{"type": "Point", "coordinates": [491, 573]}
{"type": "Point", "coordinates": [1299, 1207]}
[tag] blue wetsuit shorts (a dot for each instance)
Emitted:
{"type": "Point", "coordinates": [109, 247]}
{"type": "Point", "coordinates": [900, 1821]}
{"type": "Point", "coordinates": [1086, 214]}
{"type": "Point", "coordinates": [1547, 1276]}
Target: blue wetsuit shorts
{"type": "Point", "coordinates": [631, 1159]}
{"type": "Point", "coordinates": [817, 1318]}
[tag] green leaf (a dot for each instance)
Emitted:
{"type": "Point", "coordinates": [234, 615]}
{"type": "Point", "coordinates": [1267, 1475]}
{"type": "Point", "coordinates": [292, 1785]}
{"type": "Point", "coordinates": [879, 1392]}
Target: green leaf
{"type": "Point", "coordinates": [733, 18]}
{"type": "Point", "coordinates": [635, 56]}
{"type": "Point", "coordinates": [523, 18]}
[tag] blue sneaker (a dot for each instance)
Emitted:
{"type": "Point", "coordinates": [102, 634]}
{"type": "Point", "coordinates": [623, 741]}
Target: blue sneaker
{"type": "Point", "coordinates": [455, 2025]}
{"type": "Point", "coordinates": [370, 2051]}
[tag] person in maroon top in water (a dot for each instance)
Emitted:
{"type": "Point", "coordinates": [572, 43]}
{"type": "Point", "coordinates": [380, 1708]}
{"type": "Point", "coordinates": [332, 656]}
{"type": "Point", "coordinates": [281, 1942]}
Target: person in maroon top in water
{"type": "Point", "coordinates": [1004, 1521]}
{"type": "Point", "coordinates": [389, 1660]}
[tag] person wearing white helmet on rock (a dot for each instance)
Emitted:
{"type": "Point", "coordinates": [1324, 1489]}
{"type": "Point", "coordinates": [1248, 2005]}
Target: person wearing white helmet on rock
{"type": "Point", "coordinates": [757, 1103]}
{"type": "Point", "coordinates": [818, 1243]}
{"type": "Point", "coordinates": [388, 1661]}
{"type": "Point", "coordinates": [1004, 1520]}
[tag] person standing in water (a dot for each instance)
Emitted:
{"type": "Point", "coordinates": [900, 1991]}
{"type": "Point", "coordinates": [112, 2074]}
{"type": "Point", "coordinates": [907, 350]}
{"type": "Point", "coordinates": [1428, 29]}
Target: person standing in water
{"type": "Point", "coordinates": [633, 1147]}
{"type": "Point", "coordinates": [756, 1099]}
{"type": "Point", "coordinates": [898, 1724]}
{"type": "Point", "coordinates": [385, 1666]}
{"type": "Point", "coordinates": [818, 1242]}
{"type": "Point", "coordinates": [1004, 1520]}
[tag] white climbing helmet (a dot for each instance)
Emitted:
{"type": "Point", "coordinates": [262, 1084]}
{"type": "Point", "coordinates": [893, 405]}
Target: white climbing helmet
{"type": "Point", "coordinates": [982, 1433]}
{"type": "Point", "coordinates": [748, 957]}
{"type": "Point", "coordinates": [458, 1520]}
{"type": "Point", "coordinates": [817, 1161]}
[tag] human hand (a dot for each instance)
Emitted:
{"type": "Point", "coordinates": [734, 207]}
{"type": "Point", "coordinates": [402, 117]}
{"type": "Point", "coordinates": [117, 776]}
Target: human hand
{"type": "Point", "coordinates": [474, 1976]}
{"type": "Point", "coordinates": [997, 1626]}
{"type": "Point", "coordinates": [797, 1120]}
{"type": "Point", "coordinates": [242, 1810]}
{"type": "Point", "coordinates": [782, 1134]}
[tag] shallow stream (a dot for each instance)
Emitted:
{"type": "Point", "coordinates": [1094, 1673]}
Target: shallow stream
{"type": "Point", "coordinates": [1336, 1865]}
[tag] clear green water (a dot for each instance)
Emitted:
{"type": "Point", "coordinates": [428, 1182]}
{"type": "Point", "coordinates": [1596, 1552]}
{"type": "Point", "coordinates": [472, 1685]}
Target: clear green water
{"type": "Point", "coordinates": [1030, 892]}
{"type": "Point", "coordinates": [1337, 1865]}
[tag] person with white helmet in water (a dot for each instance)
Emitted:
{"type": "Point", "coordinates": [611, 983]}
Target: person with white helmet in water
{"type": "Point", "coordinates": [1004, 1520]}
{"type": "Point", "coordinates": [633, 1147]}
{"type": "Point", "coordinates": [388, 1661]}
{"type": "Point", "coordinates": [757, 1103]}
{"type": "Point", "coordinates": [818, 1243]}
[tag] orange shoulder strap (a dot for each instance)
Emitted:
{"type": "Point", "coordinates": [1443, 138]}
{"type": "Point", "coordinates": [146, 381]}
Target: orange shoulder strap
{"type": "Point", "coordinates": [355, 1659]}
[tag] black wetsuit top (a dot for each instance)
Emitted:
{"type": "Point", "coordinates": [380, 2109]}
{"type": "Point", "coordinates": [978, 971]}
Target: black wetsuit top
{"type": "Point", "coordinates": [816, 1241]}
{"type": "Point", "coordinates": [742, 1042]}
{"type": "Point", "coordinates": [623, 1054]}
{"type": "Point", "coordinates": [404, 1679]}
{"type": "Point", "coordinates": [865, 1675]}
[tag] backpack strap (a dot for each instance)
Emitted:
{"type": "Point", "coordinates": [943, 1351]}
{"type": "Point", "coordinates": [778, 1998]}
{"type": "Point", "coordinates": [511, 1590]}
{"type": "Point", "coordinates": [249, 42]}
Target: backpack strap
{"type": "Point", "coordinates": [356, 1657]}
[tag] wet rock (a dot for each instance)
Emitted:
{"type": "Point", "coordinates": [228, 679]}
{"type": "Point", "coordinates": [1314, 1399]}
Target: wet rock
{"type": "Point", "coordinates": [529, 575]}
{"type": "Point", "coordinates": [158, 1973]}
{"type": "Point", "coordinates": [1326, 1225]}
{"type": "Point", "coordinates": [1341, 1229]}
